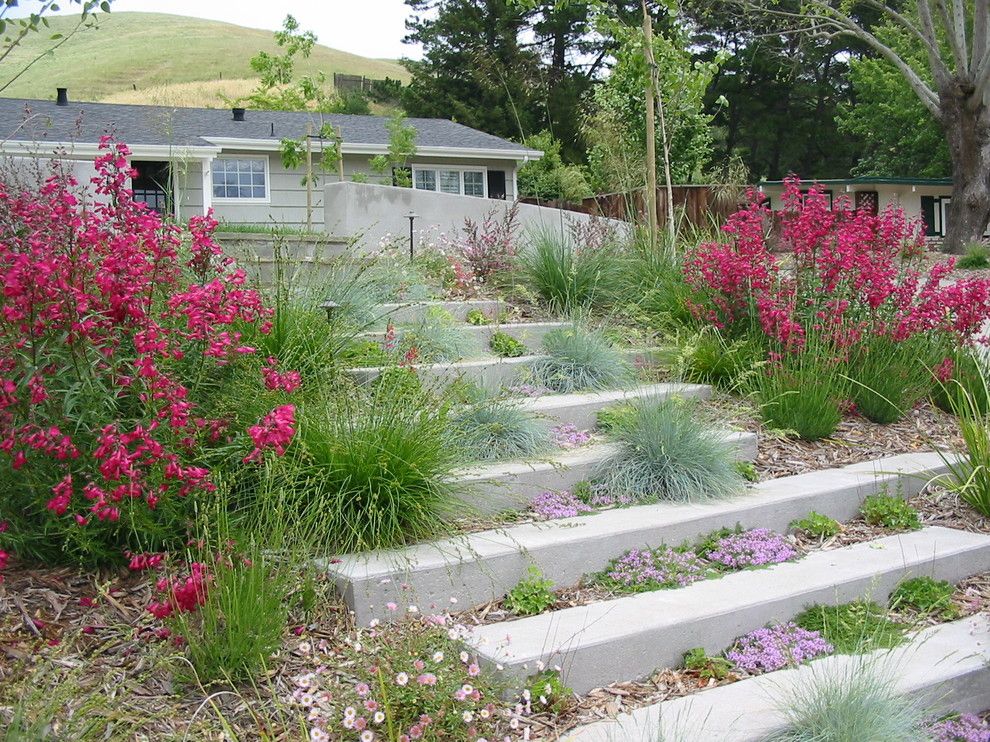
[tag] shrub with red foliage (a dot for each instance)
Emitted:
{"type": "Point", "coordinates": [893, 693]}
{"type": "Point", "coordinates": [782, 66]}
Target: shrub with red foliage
{"type": "Point", "coordinates": [109, 327]}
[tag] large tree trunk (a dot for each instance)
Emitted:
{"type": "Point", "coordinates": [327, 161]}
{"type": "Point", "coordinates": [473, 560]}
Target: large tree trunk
{"type": "Point", "coordinates": [966, 124]}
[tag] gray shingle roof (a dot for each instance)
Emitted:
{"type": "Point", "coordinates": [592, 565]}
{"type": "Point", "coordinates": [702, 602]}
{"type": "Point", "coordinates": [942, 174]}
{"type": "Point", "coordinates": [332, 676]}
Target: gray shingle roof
{"type": "Point", "coordinates": [40, 120]}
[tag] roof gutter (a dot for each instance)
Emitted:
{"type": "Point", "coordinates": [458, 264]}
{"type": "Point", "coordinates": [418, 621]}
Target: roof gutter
{"type": "Point", "coordinates": [76, 150]}
{"type": "Point", "coordinates": [358, 148]}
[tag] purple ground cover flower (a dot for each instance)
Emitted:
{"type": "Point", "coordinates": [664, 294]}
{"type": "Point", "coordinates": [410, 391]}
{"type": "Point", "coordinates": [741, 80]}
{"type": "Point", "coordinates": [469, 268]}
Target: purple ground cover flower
{"type": "Point", "coordinates": [776, 647]}
{"type": "Point", "coordinates": [752, 548]}
{"type": "Point", "coordinates": [554, 504]}
{"type": "Point", "coordinates": [650, 569]}
{"type": "Point", "coordinates": [965, 728]}
{"type": "Point", "coordinates": [528, 390]}
{"type": "Point", "coordinates": [602, 498]}
{"type": "Point", "coordinates": [568, 436]}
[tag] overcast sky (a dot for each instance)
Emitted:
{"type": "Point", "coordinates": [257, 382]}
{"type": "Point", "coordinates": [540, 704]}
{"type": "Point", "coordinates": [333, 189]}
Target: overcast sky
{"type": "Point", "coordinates": [371, 28]}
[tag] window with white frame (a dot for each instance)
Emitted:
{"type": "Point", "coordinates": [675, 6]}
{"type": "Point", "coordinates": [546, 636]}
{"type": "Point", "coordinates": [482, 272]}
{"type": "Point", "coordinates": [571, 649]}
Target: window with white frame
{"type": "Point", "coordinates": [461, 181]}
{"type": "Point", "coordinates": [240, 178]}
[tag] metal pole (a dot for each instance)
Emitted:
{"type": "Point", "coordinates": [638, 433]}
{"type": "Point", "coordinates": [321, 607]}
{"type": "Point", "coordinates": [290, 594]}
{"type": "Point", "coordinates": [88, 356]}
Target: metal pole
{"type": "Point", "coordinates": [411, 237]}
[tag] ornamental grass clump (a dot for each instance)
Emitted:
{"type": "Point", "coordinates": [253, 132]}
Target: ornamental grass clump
{"type": "Point", "coordinates": [579, 359]}
{"type": "Point", "coordinates": [757, 547]}
{"type": "Point", "coordinates": [776, 647]}
{"type": "Point", "coordinates": [969, 471]}
{"type": "Point", "coordinates": [438, 339]}
{"type": "Point", "coordinates": [497, 429]}
{"type": "Point", "coordinates": [858, 700]}
{"type": "Point", "coordinates": [664, 453]}
{"type": "Point", "coordinates": [115, 339]}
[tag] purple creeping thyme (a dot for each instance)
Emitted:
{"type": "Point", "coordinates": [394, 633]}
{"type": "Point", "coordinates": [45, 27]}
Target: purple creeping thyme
{"type": "Point", "coordinates": [646, 569]}
{"type": "Point", "coordinates": [776, 647]}
{"type": "Point", "coordinates": [602, 498]}
{"type": "Point", "coordinates": [752, 548]}
{"type": "Point", "coordinates": [528, 390]}
{"type": "Point", "coordinates": [965, 728]}
{"type": "Point", "coordinates": [568, 436]}
{"type": "Point", "coordinates": [554, 504]}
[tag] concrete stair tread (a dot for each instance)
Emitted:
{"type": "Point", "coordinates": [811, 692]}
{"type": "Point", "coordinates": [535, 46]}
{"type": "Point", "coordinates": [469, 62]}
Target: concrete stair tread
{"type": "Point", "coordinates": [603, 642]}
{"type": "Point", "coordinates": [946, 666]}
{"type": "Point", "coordinates": [555, 402]}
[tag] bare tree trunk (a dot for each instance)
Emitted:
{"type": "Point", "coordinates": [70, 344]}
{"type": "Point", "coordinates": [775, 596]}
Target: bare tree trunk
{"type": "Point", "coordinates": [966, 124]}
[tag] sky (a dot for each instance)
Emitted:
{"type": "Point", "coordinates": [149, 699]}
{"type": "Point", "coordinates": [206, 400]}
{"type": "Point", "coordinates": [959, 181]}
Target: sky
{"type": "Point", "coordinates": [371, 28]}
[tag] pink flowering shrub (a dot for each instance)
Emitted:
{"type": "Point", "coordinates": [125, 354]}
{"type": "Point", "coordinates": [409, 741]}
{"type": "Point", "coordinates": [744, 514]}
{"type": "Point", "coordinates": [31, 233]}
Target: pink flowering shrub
{"type": "Point", "coordinates": [112, 336]}
{"type": "Point", "coordinates": [487, 249]}
{"type": "Point", "coordinates": [854, 276]}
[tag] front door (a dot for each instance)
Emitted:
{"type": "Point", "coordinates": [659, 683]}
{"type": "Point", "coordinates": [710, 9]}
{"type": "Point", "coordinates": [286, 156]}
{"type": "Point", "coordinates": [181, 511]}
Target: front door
{"type": "Point", "coordinates": [153, 185]}
{"type": "Point", "coordinates": [496, 184]}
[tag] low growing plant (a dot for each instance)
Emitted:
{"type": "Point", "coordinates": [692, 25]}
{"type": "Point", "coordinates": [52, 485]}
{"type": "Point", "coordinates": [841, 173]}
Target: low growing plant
{"type": "Point", "coordinates": [664, 453]}
{"type": "Point", "coordinates": [776, 647]}
{"type": "Point", "coordinates": [817, 525]}
{"type": "Point", "coordinates": [927, 596]}
{"type": "Point", "coordinates": [496, 429]}
{"type": "Point", "coordinates": [533, 594]}
{"type": "Point", "coordinates": [851, 628]}
{"type": "Point", "coordinates": [706, 667]}
{"type": "Point", "coordinates": [476, 317]}
{"type": "Point", "coordinates": [747, 470]}
{"type": "Point", "coordinates": [644, 570]}
{"type": "Point", "coordinates": [547, 692]}
{"type": "Point", "coordinates": [976, 257]}
{"type": "Point", "coordinates": [890, 511]}
{"type": "Point", "coordinates": [506, 346]}
{"type": "Point", "coordinates": [579, 359]}
{"type": "Point", "coordinates": [614, 416]}
{"type": "Point", "coordinates": [554, 504]}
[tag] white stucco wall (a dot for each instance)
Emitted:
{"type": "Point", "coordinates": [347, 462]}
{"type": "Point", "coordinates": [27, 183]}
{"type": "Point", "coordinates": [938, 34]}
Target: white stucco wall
{"type": "Point", "coordinates": [371, 211]}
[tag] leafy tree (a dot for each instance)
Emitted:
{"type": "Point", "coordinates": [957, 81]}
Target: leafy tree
{"type": "Point", "coordinates": [951, 79]}
{"type": "Point", "coordinates": [900, 136]}
{"type": "Point", "coordinates": [549, 178]}
{"type": "Point", "coordinates": [401, 149]}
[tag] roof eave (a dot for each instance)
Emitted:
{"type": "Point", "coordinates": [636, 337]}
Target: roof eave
{"type": "Point", "coordinates": [359, 148]}
{"type": "Point", "coordinates": [92, 149]}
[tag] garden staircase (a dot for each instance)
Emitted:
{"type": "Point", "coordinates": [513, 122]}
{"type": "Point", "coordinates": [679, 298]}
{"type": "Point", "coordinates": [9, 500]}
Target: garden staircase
{"type": "Point", "coordinates": [628, 637]}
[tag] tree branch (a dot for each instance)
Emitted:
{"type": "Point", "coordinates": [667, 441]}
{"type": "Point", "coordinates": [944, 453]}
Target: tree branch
{"type": "Point", "coordinates": [981, 10]}
{"type": "Point", "coordinates": [956, 34]}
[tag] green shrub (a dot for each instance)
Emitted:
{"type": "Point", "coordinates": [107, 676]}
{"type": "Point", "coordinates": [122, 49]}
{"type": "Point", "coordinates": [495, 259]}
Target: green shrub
{"type": "Point", "coordinates": [851, 628]}
{"type": "Point", "coordinates": [969, 470]}
{"type": "Point", "coordinates": [665, 453]}
{"type": "Point", "coordinates": [533, 594]}
{"type": "Point", "coordinates": [547, 692]}
{"type": "Point", "coordinates": [854, 702]}
{"type": "Point", "coordinates": [977, 256]}
{"type": "Point", "coordinates": [890, 511]}
{"type": "Point", "coordinates": [506, 346]}
{"type": "Point", "coordinates": [565, 276]}
{"type": "Point", "coordinates": [747, 470]}
{"type": "Point", "coordinates": [705, 667]}
{"type": "Point", "coordinates": [610, 418]}
{"type": "Point", "coordinates": [231, 637]}
{"type": "Point", "coordinates": [476, 317]}
{"type": "Point", "coordinates": [579, 359]}
{"type": "Point", "coordinates": [927, 596]}
{"type": "Point", "coordinates": [817, 525]}
{"type": "Point", "coordinates": [493, 430]}
{"type": "Point", "coordinates": [366, 354]}
{"type": "Point", "coordinates": [802, 394]}
{"type": "Point", "coordinates": [706, 357]}
{"type": "Point", "coordinates": [889, 378]}
{"type": "Point", "coordinates": [378, 474]}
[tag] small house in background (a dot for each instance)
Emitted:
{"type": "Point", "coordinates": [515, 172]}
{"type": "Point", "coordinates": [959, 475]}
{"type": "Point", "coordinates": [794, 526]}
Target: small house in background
{"type": "Point", "coordinates": [927, 198]}
{"type": "Point", "coordinates": [189, 160]}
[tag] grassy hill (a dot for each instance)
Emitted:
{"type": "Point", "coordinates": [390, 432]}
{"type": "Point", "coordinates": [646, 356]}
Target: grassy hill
{"type": "Point", "coordinates": [163, 59]}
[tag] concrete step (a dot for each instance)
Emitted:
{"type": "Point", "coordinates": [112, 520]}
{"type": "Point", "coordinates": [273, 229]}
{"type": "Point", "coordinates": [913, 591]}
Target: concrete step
{"type": "Point", "coordinates": [629, 637]}
{"type": "Point", "coordinates": [493, 373]}
{"type": "Point", "coordinates": [581, 409]}
{"type": "Point", "coordinates": [410, 312]}
{"type": "Point", "coordinates": [946, 667]}
{"type": "Point", "coordinates": [481, 567]}
{"type": "Point", "coordinates": [511, 485]}
{"type": "Point", "coordinates": [530, 334]}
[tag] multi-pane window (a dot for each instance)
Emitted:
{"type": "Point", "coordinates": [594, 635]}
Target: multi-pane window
{"type": "Point", "coordinates": [240, 178]}
{"type": "Point", "coordinates": [466, 182]}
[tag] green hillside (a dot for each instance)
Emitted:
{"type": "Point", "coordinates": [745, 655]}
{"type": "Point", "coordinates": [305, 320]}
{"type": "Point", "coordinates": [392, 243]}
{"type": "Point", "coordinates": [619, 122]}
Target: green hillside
{"type": "Point", "coordinates": [159, 58]}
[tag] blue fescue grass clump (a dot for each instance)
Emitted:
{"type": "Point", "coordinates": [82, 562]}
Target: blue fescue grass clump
{"type": "Point", "coordinates": [438, 339]}
{"type": "Point", "coordinates": [579, 359]}
{"type": "Point", "coordinates": [854, 701]}
{"type": "Point", "coordinates": [666, 454]}
{"type": "Point", "coordinates": [496, 429]}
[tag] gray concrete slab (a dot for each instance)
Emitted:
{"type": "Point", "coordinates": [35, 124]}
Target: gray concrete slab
{"type": "Point", "coordinates": [481, 567]}
{"type": "Point", "coordinates": [405, 313]}
{"type": "Point", "coordinates": [945, 667]}
{"type": "Point", "coordinates": [629, 637]}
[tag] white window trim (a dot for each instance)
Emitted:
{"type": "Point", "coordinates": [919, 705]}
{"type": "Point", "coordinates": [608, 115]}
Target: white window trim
{"type": "Point", "coordinates": [483, 169]}
{"type": "Point", "coordinates": [268, 181]}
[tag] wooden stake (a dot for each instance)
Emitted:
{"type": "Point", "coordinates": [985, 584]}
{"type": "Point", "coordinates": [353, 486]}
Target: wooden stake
{"type": "Point", "coordinates": [340, 154]}
{"type": "Point", "coordinates": [309, 177]}
{"type": "Point", "coordinates": [651, 128]}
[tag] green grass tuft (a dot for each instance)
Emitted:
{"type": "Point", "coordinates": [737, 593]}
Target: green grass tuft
{"type": "Point", "coordinates": [802, 394]}
{"type": "Point", "coordinates": [977, 257]}
{"type": "Point", "coordinates": [853, 628]}
{"type": "Point", "coordinates": [494, 430]}
{"type": "Point", "coordinates": [666, 454]}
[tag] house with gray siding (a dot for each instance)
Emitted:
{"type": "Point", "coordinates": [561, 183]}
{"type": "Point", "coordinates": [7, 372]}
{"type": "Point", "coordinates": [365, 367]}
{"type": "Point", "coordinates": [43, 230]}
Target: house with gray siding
{"type": "Point", "coordinates": [190, 160]}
